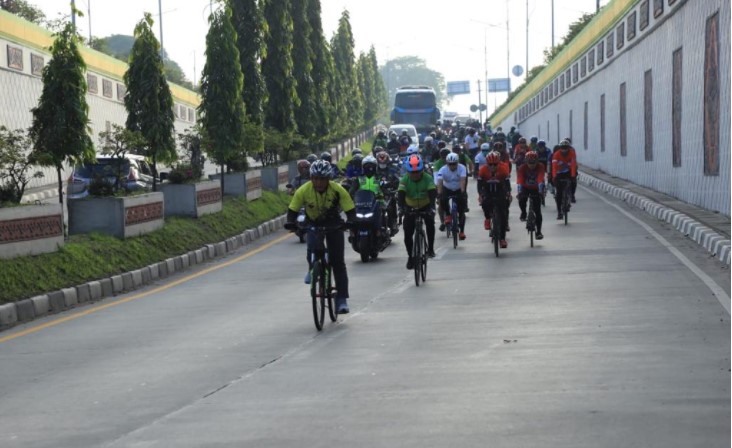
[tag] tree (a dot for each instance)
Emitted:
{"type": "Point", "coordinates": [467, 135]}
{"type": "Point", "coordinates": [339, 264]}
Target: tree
{"type": "Point", "coordinates": [22, 8]}
{"type": "Point", "coordinates": [149, 102]}
{"type": "Point", "coordinates": [411, 70]}
{"type": "Point", "coordinates": [14, 164]}
{"type": "Point", "coordinates": [60, 129]}
{"type": "Point", "coordinates": [380, 89]}
{"type": "Point", "coordinates": [277, 67]}
{"type": "Point", "coordinates": [302, 56]}
{"type": "Point", "coordinates": [342, 47]}
{"type": "Point", "coordinates": [222, 110]}
{"type": "Point", "coordinates": [250, 28]}
{"type": "Point", "coordinates": [321, 70]}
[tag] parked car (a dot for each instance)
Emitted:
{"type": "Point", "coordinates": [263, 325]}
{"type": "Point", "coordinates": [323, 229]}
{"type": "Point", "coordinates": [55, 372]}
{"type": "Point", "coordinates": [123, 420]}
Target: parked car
{"type": "Point", "coordinates": [133, 171]}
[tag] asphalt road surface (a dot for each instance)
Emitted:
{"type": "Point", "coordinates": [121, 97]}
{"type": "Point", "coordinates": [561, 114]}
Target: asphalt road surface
{"type": "Point", "coordinates": [599, 336]}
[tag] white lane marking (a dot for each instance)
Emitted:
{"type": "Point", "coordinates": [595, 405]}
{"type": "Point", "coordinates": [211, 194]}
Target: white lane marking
{"type": "Point", "coordinates": [718, 292]}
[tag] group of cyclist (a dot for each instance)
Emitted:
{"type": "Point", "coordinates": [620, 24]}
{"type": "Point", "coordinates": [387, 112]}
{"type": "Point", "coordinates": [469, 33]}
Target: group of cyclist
{"type": "Point", "coordinates": [423, 182]}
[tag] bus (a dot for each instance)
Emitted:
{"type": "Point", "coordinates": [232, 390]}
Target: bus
{"type": "Point", "coordinates": [416, 105]}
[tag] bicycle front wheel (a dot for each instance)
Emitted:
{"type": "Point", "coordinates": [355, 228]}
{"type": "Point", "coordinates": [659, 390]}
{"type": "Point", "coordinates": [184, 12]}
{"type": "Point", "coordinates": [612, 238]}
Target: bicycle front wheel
{"type": "Point", "coordinates": [330, 296]}
{"type": "Point", "coordinates": [423, 264]}
{"type": "Point", "coordinates": [417, 256]}
{"type": "Point", "coordinates": [318, 294]}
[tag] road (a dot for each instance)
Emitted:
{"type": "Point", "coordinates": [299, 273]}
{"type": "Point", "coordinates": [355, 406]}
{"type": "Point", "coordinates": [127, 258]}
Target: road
{"type": "Point", "coordinates": [597, 337]}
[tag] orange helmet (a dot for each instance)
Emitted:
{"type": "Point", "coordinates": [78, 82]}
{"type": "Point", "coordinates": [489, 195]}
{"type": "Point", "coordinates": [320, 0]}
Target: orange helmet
{"type": "Point", "coordinates": [493, 158]}
{"type": "Point", "coordinates": [532, 156]}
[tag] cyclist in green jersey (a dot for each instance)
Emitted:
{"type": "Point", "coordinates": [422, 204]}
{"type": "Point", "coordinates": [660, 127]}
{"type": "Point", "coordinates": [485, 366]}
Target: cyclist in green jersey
{"type": "Point", "coordinates": [417, 191]}
{"type": "Point", "coordinates": [323, 200]}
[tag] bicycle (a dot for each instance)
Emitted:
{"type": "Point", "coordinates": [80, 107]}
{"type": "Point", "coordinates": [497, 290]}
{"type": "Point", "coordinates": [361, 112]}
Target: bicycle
{"type": "Point", "coordinates": [454, 227]}
{"type": "Point", "coordinates": [419, 246]}
{"type": "Point", "coordinates": [566, 196]}
{"type": "Point", "coordinates": [322, 291]}
{"type": "Point", "coordinates": [496, 229]}
{"type": "Point", "coordinates": [531, 217]}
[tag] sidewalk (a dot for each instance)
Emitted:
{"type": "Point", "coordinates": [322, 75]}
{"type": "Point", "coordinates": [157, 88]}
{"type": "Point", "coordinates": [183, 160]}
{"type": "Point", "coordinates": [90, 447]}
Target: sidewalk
{"type": "Point", "coordinates": [709, 229]}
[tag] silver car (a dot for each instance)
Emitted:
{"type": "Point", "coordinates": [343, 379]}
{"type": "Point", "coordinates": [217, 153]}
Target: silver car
{"type": "Point", "coordinates": [133, 171]}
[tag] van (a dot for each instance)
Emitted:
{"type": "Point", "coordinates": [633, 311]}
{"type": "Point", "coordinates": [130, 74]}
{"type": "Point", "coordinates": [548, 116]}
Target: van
{"type": "Point", "coordinates": [411, 131]}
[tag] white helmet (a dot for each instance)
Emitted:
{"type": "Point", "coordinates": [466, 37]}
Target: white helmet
{"type": "Point", "coordinates": [413, 149]}
{"type": "Point", "coordinates": [428, 139]}
{"type": "Point", "coordinates": [485, 147]}
{"type": "Point", "coordinates": [452, 158]}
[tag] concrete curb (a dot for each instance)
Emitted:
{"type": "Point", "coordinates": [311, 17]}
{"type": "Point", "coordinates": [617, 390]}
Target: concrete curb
{"type": "Point", "coordinates": [706, 237]}
{"type": "Point", "coordinates": [54, 302]}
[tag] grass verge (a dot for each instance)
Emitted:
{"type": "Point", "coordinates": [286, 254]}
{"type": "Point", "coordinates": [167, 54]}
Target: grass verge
{"type": "Point", "coordinates": [94, 256]}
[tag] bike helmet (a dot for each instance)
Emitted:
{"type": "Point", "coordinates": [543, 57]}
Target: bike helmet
{"type": "Point", "coordinates": [326, 156]}
{"type": "Point", "coordinates": [311, 158]}
{"type": "Point", "coordinates": [413, 149]}
{"type": "Point", "coordinates": [534, 139]}
{"type": "Point", "coordinates": [414, 164]}
{"type": "Point", "coordinates": [452, 158]}
{"type": "Point", "coordinates": [382, 159]}
{"type": "Point", "coordinates": [493, 158]}
{"type": "Point", "coordinates": [522, 140]}
{"type": "Point", "coordinates": [568, 140]}
{"type": "Point", "coordinates": [565, 143]}
{"type": "Point", "coordinates": [320, 168]}
{"type": "Point", "coordinates": [392, 135]}
{"type": "Point", "coordinates": [444, 152]}
{"type": "Point", "coordinates": [498, 145]}
{"type": "Point", "coordinates": [541, 143]}
{"type": "Point", "coordinates": [531, 156]}
{"type": "Point", "coordinates": [485, 147]}
{"type": "Point", "coordinates": [356, 151]}
{"type": "Point", "coordinates": [369, 165]}
{"type": "Point", "coordinates": [303, 165]}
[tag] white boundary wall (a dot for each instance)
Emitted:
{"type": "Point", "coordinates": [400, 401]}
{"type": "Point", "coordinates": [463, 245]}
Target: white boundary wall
{"type": "Point", "coordinates": [682, 25]}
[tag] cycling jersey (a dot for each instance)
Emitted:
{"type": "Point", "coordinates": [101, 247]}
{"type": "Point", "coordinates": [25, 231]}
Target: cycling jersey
{"type": "Point", "coordinates": [529, 179]}
{"type": "Point", "coordinates": [417, 193]}
{"type": "Point", "coordinates": [452, 179]}
{"type": "Point", "coordinates": [493, 182]}
{"type": "Point", "coordinates": [564, 164]}
{"type": "Point", "coordinates": [322, 208]}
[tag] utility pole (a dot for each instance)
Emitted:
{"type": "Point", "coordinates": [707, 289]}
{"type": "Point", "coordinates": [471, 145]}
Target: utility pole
{"type": "Point", "coordinates": [552, 24]}
{"type": "Point", "coordinates": [508, 49]}
{"type": "Point", "coordinates": [597, 8]}
{"type": "Point", "coordinates": [160, 14]}
{"type": "Point", "coordinates": [73, 14]}
{"type": "Point", "coordinates": [527, 40]}
{"type": "Point", "coordinates": [88, 13]}
{"type": "Point", "coordinates": [485, 63]}
{"type": "Point", "coordinates": [480, 114]}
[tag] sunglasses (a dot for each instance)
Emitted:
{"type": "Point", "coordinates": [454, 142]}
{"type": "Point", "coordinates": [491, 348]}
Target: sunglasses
{"type": "Point", "coordinates": [452, 164]}
{"type": "Point", "coordinates": [492, 164]}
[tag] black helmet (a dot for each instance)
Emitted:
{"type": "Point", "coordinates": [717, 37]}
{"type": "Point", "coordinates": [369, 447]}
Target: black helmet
{"type": "Point", "coordinates": [326, 156]}
{"type": "Point", "coordinates": [311, 158]}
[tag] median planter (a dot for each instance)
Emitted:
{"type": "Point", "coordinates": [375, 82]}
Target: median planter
{"type": "Point", "coordinates": [192, 200]}
{"type": "Point", "coordinates": [30, 230]}
{"type": "Point", "coordinates": [122, 217]}
{"type": "Point", "coordinates": [275, 178]}
{"type": "Point", "coordinates": [247, 184]}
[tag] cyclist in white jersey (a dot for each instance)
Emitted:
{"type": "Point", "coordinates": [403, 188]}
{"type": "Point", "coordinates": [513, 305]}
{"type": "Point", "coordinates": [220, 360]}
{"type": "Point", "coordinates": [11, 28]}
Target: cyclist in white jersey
{"type": "Point", "coordinates": [451, 182]}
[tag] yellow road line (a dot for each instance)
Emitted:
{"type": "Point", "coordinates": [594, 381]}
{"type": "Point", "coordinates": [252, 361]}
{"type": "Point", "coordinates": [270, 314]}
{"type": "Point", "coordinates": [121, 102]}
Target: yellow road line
{"type": "Point", "coordinates": [37, 328]}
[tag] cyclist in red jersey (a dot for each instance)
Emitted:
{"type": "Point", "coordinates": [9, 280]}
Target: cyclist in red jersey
{"type": "Point", "coordinates": [492, 179]}
{"type": "Point", "coordinates": [530, 182]}
{"type": "Point", "coordinates": [564, 166]}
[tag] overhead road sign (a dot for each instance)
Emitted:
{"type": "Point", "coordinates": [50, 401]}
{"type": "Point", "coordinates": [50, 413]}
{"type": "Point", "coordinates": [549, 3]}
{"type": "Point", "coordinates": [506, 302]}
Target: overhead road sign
{"type": "Point", "coordinates": [499, 85]}
{"type": "Point", "coordinates": [458, 87]}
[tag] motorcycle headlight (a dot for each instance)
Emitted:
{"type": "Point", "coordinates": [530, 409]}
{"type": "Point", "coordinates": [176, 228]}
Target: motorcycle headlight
{"type": "Point", "coordinates": [368, 215]}
{"type": "Point", "coordinates": [359, 215]}
{"type": "Point", "coordinates": [301, 219]}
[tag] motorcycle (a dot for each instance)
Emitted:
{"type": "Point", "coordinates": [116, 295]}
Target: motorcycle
{"type": "Point", "coordinates": [370, 235]}
{"type": "Point", "coordinates": [300, 231]}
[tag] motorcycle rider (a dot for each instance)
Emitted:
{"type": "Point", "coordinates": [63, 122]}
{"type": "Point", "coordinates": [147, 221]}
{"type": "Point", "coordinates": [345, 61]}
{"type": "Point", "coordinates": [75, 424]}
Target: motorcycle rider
{"type": "Point", "coordinates": [393, 146]}
{"type": "Point", "coordinates": [388, 175]}
{"type": "Point", "coordinates": [371, 182]}
{"type": "Point", "coordinates": [303, 170]}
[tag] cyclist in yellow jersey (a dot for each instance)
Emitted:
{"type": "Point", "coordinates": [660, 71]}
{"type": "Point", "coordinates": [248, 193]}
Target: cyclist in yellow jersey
{"type": "Point", "coordinates": [323, 200]}
{"type": "Point", "coordinates": [417, 190]}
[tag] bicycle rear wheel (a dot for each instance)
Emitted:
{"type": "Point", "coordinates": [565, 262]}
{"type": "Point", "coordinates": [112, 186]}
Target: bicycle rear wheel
{"type": "Point", "coordinates": [417, 256]}
{"type": "Point", "coordinates": [318, 294]}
